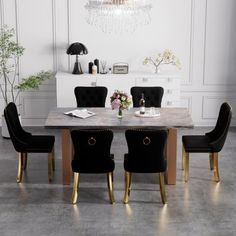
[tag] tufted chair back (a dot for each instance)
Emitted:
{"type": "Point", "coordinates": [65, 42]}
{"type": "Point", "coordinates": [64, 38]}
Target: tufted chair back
{"type": "Point", "coordinates": [152, 95]}
{"type": "Point", "coordinates": [92, 151]}
{"type": "Point", "coordinates": [145, 151]}
{"type": "Point", "coordinates": [90, 96]}
{"type": "Point", "coordinates": [219, 133]}
{"type": "Point", "coordinates": [18, 135]}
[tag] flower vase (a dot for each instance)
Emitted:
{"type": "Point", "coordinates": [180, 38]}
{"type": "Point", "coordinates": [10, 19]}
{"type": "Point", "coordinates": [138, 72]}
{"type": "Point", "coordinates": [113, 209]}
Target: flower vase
{"type": "Point", "coordinates": [120, 113]}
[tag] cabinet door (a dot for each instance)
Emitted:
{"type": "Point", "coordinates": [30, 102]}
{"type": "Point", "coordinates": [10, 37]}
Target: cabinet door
{"type": "Point", "coordinates": [171, 86]}
{"type": "Point", "coordinates": [66, 85]}
{"type": "Point", "coordinates": [122, 83]}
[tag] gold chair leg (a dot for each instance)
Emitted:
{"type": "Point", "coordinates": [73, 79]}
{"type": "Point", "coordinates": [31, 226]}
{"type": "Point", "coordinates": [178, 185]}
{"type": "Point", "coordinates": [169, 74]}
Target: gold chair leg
{"type": "Point", "coordinates": [20, 167]}
{"type": "Point", "coordinates": [183, 157]}
{"type": "Point", "coordinates": [216, 170]}
{"type": "Point", "coordinates": [127, 186]}
{"type": "Point", "coordinates": [24, 164]}
{"type": "Point", "coordinates": [75, 188]}
{"type": "Point", "coordinates": [53, 159]}
{"type": "Point", "coordinates": [211, 161]}
{"type": "Point", "coordinates": [50, 166]}
{"type": "Point", "coordinates": [162, 188]}
{"type": "Point", "coordinates": [186, 166]}
{"type": "Point", "coordinates": [130, 180]}
{"type": "Point", "coordinates": [110, 187]}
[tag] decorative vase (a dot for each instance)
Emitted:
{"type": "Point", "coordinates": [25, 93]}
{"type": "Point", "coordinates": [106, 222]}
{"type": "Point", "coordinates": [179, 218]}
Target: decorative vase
{"type": "Point", "coordinates": [120, 113]}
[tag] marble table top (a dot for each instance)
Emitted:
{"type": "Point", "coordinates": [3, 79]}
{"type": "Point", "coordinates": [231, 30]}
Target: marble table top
{"type": "Point", "coordinates": [107, 118]}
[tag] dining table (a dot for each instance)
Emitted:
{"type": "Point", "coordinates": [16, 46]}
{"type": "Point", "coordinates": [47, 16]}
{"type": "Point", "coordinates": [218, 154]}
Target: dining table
{"type": "Point", "coordinates": [105, 118]}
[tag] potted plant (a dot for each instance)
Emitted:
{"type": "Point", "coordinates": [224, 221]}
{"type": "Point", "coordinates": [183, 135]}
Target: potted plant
{"type": "Point", "coordinates": [10, 52]}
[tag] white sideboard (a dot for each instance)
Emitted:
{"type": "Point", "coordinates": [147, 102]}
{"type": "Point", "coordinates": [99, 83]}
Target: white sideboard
{"type": "Point", "coordinates": [67, 82]}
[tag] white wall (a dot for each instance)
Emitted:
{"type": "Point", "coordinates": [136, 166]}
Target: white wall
{"type": "Point", "coordinates": [200, 32]}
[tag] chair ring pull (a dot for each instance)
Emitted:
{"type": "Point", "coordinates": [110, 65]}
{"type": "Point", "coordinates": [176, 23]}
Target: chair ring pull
{"type": "Point", "coordinates": [92, 141]}
{"type": "Point", "coordinates": [146, 141]}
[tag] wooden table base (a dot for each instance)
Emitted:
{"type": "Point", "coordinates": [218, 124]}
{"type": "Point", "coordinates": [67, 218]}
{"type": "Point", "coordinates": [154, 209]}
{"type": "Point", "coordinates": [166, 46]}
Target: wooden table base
{"type": "Point", "coordinates": [67, 154]}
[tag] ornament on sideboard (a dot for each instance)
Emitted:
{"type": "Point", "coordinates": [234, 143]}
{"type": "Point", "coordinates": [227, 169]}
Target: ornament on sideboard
{"type": "Point", "coordinates": [77, 49]}
{"type": "Point", "coordinates": [94, 70]}
{"type": "Point", "coordinates": [96, 62]}
{"type": "Point", "coordinates": [90, 69]}
{"type": "Point", "coordinates": [167, 57]}
{"type": "Point", "coordinates": [103, 67]}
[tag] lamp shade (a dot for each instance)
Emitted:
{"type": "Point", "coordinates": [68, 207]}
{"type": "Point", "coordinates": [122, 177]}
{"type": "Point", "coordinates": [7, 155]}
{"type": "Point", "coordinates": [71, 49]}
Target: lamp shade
{"type": "Point", "coordinates": [77, 49]}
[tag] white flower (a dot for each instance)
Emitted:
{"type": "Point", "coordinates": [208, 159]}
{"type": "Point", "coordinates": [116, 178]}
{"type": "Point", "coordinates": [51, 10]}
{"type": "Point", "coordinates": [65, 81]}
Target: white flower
{"type": "Point", "coordinates": [166, 57]}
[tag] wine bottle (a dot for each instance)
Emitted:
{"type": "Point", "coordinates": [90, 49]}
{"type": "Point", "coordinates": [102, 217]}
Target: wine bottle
{"type": "Point", "coordinates": [142, 105]}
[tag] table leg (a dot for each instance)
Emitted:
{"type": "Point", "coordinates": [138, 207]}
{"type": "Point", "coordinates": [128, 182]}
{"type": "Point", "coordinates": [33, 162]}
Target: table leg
{"type": "Point", "coordinates": [171, 156]}
{"type": "Point", "coordinates": [66, 156]}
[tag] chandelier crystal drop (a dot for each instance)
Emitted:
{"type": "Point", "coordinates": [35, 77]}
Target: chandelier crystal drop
{"type": "Point", "coordinates": [118, 16]}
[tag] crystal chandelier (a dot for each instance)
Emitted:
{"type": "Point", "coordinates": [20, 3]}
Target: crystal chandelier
{"type": "Point", "coordinates": [118, 16]}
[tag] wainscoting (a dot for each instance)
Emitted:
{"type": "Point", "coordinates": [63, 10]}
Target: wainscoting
{"type": "Point", "coordinates": [200, 32]}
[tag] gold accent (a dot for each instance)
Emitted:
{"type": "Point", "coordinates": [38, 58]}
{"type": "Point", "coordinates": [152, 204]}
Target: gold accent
{"type": "Point", "coordinates": [211, 160]}
{"type": "Point", "coordinates": [162, 187]}
{"type": "Point", "coordinates": [92, 141]}
{"type": "Point", "coordinates": [146, 141]}
{"type": "Point", "coordinates": [216, 170]}
{"type": "Point", "coordinates": [75, 188]}
{"type": "Point", "coordinates": [186, 166]}
{"type": "Point", "coordinates": [50, 166]}
{"type": "Point", "coordinates": [127, 186]}
{"type": "Point", "coordinates": [20, 167]}
{"type": "Point", "coordinates": [24, 160]}
{"type": "Point", "coordinates": [110, 187]}
{"type": "Point", "coordinates": [130, 180]}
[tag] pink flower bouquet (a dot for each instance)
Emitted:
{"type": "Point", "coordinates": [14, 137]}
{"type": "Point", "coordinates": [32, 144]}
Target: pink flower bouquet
{"type": "Point", "coordinates": [120, 100]}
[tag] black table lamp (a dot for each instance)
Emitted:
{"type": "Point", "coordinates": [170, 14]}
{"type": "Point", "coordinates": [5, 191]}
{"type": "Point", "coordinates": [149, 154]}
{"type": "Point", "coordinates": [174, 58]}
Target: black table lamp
{"type": "Point", "coordinates": [77, 49]}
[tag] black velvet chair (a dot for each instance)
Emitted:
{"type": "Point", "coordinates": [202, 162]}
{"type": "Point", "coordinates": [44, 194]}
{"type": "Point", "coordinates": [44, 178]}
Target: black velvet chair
{"type": "Point", "coordinates": [145, 155]}
{"type": "Point", "coordinates": [25, 142]}
{"type": "Point", "coordinates": [212, 142]}
{"type": "Point", "coordinates": [152, 95]}
{"type": "Point", "coordinates": [90, 96]}
{"type": "Point", "coordinates": [92, 156]}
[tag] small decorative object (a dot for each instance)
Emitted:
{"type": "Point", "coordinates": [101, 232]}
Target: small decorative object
{"type": "Point", "coordinates": [90, 67]}
{"type": "Point", "coordinates": [142, 105]}
{"type": "Point", "coordinates": [120, 68]}
{"type": "Point", "coordinates": [103, 65]}
{"type": "Point", "coordinates": [77, 49]}
{"type": "Point", "coordinates": [120, 100]}
{"type": "Point", "coordinates": [94, 70]}
{"type": "Point", "coordinates": [96, 62]}
{"type": "Point", "coordinates": [166, 57]}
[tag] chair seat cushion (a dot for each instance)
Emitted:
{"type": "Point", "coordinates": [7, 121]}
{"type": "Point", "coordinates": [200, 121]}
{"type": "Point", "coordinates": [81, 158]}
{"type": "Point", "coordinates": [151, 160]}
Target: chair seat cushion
{"type": "Point", "coordinates": [92, 166]}
{"type": "Point", "coordinates": [138, 165]}
{"type": "Point", "coordinates": [197, 143]}
{"type": "Point", "coordinates": [40, 143]}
